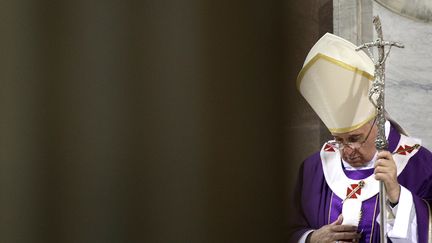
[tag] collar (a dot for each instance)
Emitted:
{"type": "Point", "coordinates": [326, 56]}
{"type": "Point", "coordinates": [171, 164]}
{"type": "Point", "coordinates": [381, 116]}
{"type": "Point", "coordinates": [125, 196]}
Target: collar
{"type": "Point", "coordinates": [337, 179]}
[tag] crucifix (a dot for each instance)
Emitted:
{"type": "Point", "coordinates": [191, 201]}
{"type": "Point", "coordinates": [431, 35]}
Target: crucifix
{"type": "Point", "coordinates": [376, 97]}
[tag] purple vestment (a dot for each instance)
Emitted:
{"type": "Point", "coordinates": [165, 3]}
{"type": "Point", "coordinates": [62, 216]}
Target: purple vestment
{"type": "Point", "coordinates": [314, 199]}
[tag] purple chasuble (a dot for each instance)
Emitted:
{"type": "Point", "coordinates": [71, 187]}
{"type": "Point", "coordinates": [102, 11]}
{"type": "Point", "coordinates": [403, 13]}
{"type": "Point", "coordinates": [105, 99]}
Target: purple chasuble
{"type": "Point", "coordinates": [369, 207]}
{"type": "Point", "coordinates": [314, 204]}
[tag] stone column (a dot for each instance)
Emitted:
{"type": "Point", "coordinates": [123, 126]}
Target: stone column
{"type": "Point", "coordinates": [352, 20]}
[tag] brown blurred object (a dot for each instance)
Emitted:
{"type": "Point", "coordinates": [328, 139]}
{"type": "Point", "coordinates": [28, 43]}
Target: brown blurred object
{"type": "Point", "coordinates": [153, 121]}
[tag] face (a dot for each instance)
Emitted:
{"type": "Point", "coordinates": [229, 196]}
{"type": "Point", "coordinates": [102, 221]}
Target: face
{"type": "Point", "coordinates": [358, 157]}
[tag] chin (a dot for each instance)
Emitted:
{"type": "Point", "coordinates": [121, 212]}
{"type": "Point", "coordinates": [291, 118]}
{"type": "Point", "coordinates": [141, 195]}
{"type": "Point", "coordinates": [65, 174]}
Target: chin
{"type": "Point", "coordinates": [358, 162]}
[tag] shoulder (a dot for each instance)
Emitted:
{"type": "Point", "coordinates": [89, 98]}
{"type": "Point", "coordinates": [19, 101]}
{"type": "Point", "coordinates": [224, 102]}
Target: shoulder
{"type": "Point", "coordinates": [417, 173]}
{"type": "Point", "coordinates": [419, 166]}
{"type": "Point", "coordinates": [313, 162]}
{"type": "Point", "coordinates": [423, 158]}
{"type": "Point", "coordinates": [413, 153]}
{"type": "Point", "coordinates": [424, 153]}
{"type": "Point", "coordinates": [313, 159]}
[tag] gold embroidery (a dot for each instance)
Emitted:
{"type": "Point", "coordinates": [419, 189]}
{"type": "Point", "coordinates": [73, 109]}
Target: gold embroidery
{"type": "Point", "coordinates": [409, 150]}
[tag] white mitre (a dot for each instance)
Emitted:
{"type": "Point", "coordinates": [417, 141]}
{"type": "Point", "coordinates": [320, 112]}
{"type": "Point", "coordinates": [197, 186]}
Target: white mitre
{"type": "Point", "coordinates": [335, 81]}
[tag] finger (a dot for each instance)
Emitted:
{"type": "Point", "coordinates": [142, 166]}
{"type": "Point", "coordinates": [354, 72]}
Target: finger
{"type": "Point", "coordinates": [387, 160]}
{"type": "Point", "coordinates": [338, 221]}
{"type": "Point", "coordinates": [344, 228]}
{"type": "Point", "coordinates": [385, 164]}
{"type": "Point", "coordinates": [382, 176]}
{"type": "Point", "coordinates": [390, 169]}
{"type": "Point", "coordinates": [382, 169]}
{"type": "Point", "coordinates": [385, 170]}
{"type": "Point", "coordinates": [379, 162]}
{"type": "Point", "coordinates": [348, 241]}
{"type": "Point", "coordinates": [384, 154]}
{"type": "Point", "coordinates": [346, 236]}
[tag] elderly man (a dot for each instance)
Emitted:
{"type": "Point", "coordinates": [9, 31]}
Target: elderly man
{"type": "Point", "coordinates": [337, 192]}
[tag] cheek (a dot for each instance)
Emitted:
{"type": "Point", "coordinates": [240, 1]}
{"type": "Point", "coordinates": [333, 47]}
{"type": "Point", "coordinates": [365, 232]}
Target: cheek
{"type": "Point", "coordinates": [372, 146]}
{"type": "Point", "coordinates": [369, 151]}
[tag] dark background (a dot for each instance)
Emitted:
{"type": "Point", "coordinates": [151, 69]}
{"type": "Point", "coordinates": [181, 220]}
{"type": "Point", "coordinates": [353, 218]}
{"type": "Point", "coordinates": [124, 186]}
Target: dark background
{"type": "Point", "coordinates": [153, 121]}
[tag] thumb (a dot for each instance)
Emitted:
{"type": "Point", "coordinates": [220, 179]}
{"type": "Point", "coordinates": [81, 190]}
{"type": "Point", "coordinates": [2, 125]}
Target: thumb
{"type": "Point", "coordinates": [338, 221]}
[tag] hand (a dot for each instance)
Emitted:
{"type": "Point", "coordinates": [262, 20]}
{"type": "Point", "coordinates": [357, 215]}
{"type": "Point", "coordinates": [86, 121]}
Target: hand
{"type": "Point", "coordinates": [386, 171]}
{"type": "Point", "coordinates": [335, 232]}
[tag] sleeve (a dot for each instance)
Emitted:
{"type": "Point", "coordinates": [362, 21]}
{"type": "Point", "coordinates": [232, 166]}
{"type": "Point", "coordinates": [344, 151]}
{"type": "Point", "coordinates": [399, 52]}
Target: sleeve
{"type": "Point", "coordinates": [419, 183]}
{"type": "Point", "coordinates": [304, 236]}
{"type": "Point", "coordinates": [423, 215]}
{"type": "Point", "coordinates": [412, 216]}
{"type": "Point", "coordinates": [402, 219]}
{"type": "Point", "coordinates": [298, 226]}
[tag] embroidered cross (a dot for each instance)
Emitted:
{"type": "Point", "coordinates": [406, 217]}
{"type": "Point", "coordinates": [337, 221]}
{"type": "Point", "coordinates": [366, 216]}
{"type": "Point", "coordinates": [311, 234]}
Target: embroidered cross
{"type": "Point", "coordinates": [329, 148]}
{"type": "Point", "coordinates": [404, 150]}
{"type": "Point", "coordinates": [354, 190]}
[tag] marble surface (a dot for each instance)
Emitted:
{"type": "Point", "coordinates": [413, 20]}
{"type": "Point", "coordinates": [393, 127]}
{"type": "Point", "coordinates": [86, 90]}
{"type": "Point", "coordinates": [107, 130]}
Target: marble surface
{"type": "Point", "coordinates": [417, 9]}
{"type": "Point", "coordinates": [352, 20]}
{"type": "Point", "coordinates": [408, 70]}
{"type": "Point", "coordinates": [409, 73]}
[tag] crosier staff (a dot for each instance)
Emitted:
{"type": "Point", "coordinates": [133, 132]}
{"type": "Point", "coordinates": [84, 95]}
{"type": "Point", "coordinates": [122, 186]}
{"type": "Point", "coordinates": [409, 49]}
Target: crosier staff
{"type": "Point", "coordinates": [376, 97]}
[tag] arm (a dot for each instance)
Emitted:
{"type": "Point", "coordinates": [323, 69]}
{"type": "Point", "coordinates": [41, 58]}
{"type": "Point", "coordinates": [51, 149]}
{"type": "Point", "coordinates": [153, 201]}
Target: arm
{"type": "Point", "coordinates": [297, 222]}
{"type": "Point", "coordinates": [303, 230]}
{"type": "Point", "coordinates": [402, 223]}
{"type": "Point", "coordinates": [410, 218]}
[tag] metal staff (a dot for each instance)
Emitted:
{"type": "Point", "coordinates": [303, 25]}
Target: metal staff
{"type": "Point", "coordinates": [376, 97]}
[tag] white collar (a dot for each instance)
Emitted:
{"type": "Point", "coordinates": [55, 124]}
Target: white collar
{"type": "Point", "coordinates": [338, 181]}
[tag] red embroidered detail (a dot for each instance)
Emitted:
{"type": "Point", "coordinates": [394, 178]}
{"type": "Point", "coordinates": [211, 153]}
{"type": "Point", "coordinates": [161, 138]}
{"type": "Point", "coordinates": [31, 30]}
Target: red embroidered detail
{"type": "Point", "coordinates": [404, 150]}
{"type": "Point", "coordinates": [329, 148]}
{"type": "Point", "coordinates": [353, 187]}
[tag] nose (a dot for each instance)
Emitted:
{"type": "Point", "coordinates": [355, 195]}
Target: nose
{"type": "Point", "coordinates": [348, 150]}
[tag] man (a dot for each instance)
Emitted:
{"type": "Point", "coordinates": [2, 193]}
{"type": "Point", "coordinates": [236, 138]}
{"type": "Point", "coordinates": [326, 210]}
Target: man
{"type": "Point", "coordinates": [337, 191]}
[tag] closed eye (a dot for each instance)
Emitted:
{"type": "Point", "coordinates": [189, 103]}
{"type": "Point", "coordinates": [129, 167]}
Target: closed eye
{"type": "Point", "coordinates": [353, 139]}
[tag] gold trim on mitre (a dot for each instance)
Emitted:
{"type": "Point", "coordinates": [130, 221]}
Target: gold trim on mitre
{"type": "Point", "coordinates": [366, 77]}
{"type": "Point", "coordinates": [352, 128]}
{"type": "Point", "coordinates": [334, 61]}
